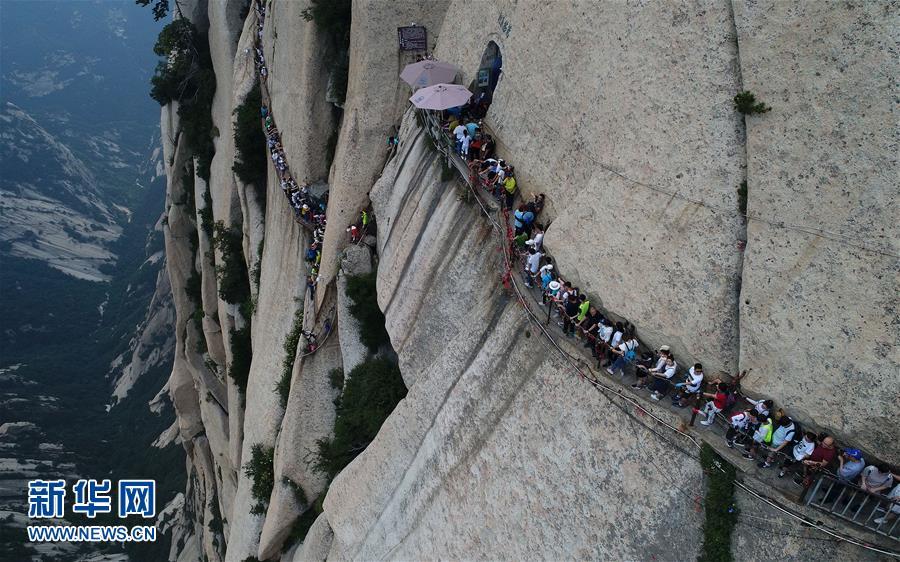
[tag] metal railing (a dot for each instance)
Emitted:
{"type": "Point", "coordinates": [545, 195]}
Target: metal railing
{"type": "Point", "coordinates": [851, 503]}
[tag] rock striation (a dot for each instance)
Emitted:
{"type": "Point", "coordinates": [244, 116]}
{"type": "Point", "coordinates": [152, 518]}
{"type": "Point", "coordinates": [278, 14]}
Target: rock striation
{"type": "Point", "coordinates": [623, 116]}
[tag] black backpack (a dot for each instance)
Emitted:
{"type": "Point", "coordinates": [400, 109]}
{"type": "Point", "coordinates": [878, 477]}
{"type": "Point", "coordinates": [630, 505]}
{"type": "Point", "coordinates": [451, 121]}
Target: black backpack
{"type": "Point", "coordinates": [798, 433]}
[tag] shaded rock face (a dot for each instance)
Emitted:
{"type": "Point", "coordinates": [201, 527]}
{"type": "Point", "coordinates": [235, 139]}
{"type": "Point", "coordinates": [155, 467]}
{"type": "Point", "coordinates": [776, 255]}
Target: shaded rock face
{"type": "Point", "coordinates": [622, 115]}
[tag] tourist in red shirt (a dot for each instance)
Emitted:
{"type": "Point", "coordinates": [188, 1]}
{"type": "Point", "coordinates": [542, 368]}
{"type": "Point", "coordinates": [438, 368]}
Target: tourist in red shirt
{"type": "Point", "coordinates": [823, 455]}
{"type": "Point", "coordinates": [714, 406]}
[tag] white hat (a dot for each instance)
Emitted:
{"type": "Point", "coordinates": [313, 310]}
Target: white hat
{"type": "Point", "coordinates": [664, 348]}
{"type": "Point", "coordinates": [554, 285]}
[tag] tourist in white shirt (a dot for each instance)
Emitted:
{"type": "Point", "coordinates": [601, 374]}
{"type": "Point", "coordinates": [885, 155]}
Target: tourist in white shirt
{"type": "Point", "coordinates": [692, 384]}
{"type": "Point", "coordinates": [459, 132]}
{"type": "Point", "coordinates": [643, 371]}
{"type": "Point", "coordinates": [662, 378]}
{"type": "Point", "coordinates": [801, 450]}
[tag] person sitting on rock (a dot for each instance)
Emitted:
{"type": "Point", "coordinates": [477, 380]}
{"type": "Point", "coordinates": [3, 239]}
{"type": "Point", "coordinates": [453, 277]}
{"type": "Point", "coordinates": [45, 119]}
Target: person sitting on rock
{"type": "Point", "coordinates": [657, 362]}
{"type": "Point", "coordinates": [762, 437]}
{"type": "Point", "coordinates": [822, 456]}
{"type": "Point", "coordinates": [850, 464]}
{"type": "Point", "coordinates": [800, 452]}
{"type": "Point", "coordinates": [538, 201]}
{"type": "Point", "coordinates": [876, 478]}
{"type": "Point", "coordinates": [781, 438]}
{"type": "Point", "coordinates": [739, 423]}
{"type": "Point", "coordinates": [762, 407]}
{"type": "Point", "coordinates": [692, 384]}
{"type": "Point", "coordinates": [625, 353]}
{"type": "Point", "coordinates": [660, 384]}
{"type": "Point", "coordinates": [715, 405]}
{"type": "Point", "coordinates": [487, 147]}
{"type": "Point", "coordinates": [894, 511]}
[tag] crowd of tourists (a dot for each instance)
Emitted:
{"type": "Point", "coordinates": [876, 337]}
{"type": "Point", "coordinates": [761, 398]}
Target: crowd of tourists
{"type": "Point", "coordinates": [308, 210]}
{"type": "Point", "coordinates": [768, 435]}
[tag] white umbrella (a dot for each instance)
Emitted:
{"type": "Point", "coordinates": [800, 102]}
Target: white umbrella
{"type": "Point", "coordinates": [428, 72]}
{"type": "Point", "coordinates": [441, 96]}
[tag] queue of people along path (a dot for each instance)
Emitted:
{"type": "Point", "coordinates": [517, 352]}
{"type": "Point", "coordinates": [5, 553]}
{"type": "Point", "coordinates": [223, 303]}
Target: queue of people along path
{"type": "Point", "coordinates": [768, 434]}
{"type": "Point", "coordinates": [308, 210]}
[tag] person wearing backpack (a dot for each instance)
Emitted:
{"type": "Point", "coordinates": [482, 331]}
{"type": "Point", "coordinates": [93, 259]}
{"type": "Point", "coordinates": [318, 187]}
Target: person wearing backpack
{"type": "Point", "coordinates": [800, 452]}
{"type": "Point", "coordinates": [762, 436]}
{"type": "Point", "coordinates": [739, 423]}
{"type": "Point", "coordinates": [660, 384]}
{"type": "Point", "coordinates": [626, 353]}
{"type": "Point", "coordinates": [782, 438]}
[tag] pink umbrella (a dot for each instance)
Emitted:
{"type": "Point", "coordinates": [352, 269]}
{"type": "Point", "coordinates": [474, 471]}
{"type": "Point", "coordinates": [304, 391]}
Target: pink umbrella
{"type": "Point", "coordinates": [441, 96]}
{"type": "Point", "coordinates": [428, 72]}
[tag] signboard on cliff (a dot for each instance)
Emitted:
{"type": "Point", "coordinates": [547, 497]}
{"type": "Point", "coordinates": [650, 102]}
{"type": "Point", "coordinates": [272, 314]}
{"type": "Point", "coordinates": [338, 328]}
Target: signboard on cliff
{"type": "Point", "coordinates": [412, 38]}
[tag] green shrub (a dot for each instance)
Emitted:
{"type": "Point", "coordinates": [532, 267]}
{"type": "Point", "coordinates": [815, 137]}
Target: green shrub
{"type": "Point", "coordinates": [372, 391]}
{"type": "Point", "coordinates": [197, 319]}
{"type": "Point", "coordinates": [256, 270]}
{"type": "Point", "coordinates": [745, 102]}
{"type": "Point", "coordinates": [231, 271]}
{"type": "Point", "coordinates": [283, 388]}
{"type": "Point", "coordinates": [206, 214]}
{"type": "Point", "coordinates": [160, 7]}
{"type": "Point", "coordinates": [742, 197]}
{"type": "Point", "coordinates": [720, 513]}
{"type": "Point", "coordinates": [241, 357]}
{"type": "Point", "coordinates": [193, 288]}
{"type": "Point", "coordinates": [261, 470]}
{"type": "Point", "coordinates": [336, 376]}
{"type": "Point", "coordinates": [187, 196]}
{"type": "Point", "coordinates": [361, 289]}
{"type": "Point", "coordinates": [215, 521]}
{"type": "Point", "coordinates": [251, 164]}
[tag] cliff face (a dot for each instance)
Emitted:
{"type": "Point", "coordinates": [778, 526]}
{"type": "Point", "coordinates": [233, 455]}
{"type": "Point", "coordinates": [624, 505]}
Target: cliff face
{"type": "Point", "coordinates": [623, 117]}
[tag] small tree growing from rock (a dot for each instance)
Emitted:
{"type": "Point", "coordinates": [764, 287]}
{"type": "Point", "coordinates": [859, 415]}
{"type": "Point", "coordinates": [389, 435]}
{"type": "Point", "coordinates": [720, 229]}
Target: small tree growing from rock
{"type": "Point", "coordinates": [745, 102]}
